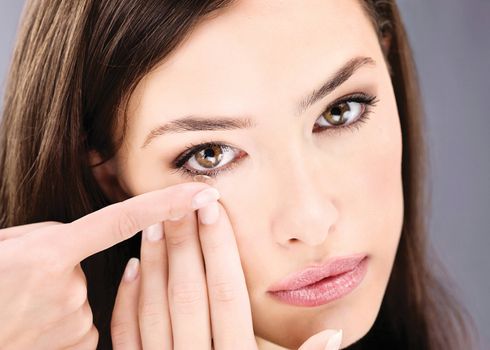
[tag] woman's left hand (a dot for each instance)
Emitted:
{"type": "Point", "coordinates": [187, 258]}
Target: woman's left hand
{"type": "Point", "coordinates": [164, 303]}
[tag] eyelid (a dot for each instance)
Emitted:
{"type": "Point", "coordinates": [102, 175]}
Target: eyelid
{"type": "Point", "coordinates": [360, 97]}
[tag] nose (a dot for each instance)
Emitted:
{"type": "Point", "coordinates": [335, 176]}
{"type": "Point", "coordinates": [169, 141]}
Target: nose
{"type": "Point", "coordinates": [305, 207]}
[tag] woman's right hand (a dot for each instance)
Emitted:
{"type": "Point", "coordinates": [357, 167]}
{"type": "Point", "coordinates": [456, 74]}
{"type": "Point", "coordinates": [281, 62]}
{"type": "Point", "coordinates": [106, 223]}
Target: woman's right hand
{"type": "Point", "coordinates": [43, 293]}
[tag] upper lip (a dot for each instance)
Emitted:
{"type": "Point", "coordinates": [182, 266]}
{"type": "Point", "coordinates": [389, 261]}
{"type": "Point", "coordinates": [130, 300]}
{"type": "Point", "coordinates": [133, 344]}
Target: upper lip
{"type": "Point", "coordinates": [311, 274]}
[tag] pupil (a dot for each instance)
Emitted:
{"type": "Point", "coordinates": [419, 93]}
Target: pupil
{"type": "Point", "coordinates": [336, 110]}
{"type": "Point", "coordinates": [209, 152]}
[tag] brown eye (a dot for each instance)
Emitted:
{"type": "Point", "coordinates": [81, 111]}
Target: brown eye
{"type": "Point", "coordinates": [209, 157]}
{"type": "Point", "coordinates": [342, 113]}
{"type": "Point", "coordinates": [213, 157]}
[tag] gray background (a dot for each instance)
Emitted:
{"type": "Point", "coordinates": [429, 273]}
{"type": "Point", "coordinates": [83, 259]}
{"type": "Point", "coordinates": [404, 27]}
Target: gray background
{"type": "Point", "coordinates": [450, 39]}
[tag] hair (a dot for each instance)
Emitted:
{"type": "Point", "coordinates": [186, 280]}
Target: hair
{"type": "Point", "coordinates": [74, 67]}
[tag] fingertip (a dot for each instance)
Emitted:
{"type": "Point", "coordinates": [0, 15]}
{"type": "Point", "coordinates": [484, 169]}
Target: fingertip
{"type": "Point", "coordinates": [334, 341]}
{"type": "Point", "coordinates": [209, 214]}
{"type": "Point", "coordinates": [132, 270]}
{"type": "Point", "coordinates": [154, 232]}
{"type": "Point", "coordinates": [205, 197]}
{"type": "Point", "coordinates": [328, 339]}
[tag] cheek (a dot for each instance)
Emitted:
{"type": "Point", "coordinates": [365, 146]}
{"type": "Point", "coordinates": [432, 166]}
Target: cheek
{"type": "Point", "coordinates": [252, 247]}
{"type": "Point", "coordinates": [382, 190]}
{"type": "Point", "coordinates": [381, 167]}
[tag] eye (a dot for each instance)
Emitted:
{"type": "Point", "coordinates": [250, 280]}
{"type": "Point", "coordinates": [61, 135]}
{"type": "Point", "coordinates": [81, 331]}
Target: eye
{"type": "Point", "coordinates": [208, 159]}
{"type": "Point", "coordinates": [211, 158]}
{"type": "Point", "coordinates": [346, 113]}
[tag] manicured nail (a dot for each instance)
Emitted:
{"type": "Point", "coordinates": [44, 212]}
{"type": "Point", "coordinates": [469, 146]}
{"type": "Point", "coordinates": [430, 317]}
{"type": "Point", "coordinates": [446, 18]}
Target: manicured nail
{"type": "Point", "coordinates": [209, 214]}
{"type": "Point", "coordinates": [131, 271]}
{"type": "Point", "coordinates": [204, 197]}
{"type": "Point", "coordinates": [154, 232]}
{"type": "Point", "coordinates": [334, 341]}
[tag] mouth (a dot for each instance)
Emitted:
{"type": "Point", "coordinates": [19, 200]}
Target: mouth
{"type": "Point", "coordinates": [318, 285]}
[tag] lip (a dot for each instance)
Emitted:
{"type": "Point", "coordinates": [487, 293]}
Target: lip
{"type": "Point", "coordinates": [312, 274]}
{"type": "Point", "coordinates": [326, 290]}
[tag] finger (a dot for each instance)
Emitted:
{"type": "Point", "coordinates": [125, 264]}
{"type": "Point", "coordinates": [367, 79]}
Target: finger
{"type": "Point", "coordinates": [328, 339]}
{"type": "Point", "coordinates": [124, 323]}
{"type": "Point", "coordinates": [16, 231]}
{"type": "Point", "coordinates": [120, 221]}
{"type": "Point", "coordinates": [231, 314]}
{"type": "Point", "coordinates": [154, 317]}
{"type": "Point", "coordinates": [188, 301]}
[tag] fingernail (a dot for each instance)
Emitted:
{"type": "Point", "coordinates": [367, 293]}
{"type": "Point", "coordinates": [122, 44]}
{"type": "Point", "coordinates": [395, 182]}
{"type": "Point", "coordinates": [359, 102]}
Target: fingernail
{"type": "Point", "coordinates": [131, 271]}
{"type": "Point", "coordinates": [209, 214]}
{"type": "Point", "coordinates": [153, 233]}
{"type": "Point", "coordinates": [204, 197]}
{"type": "Point", "coordinates": [334, 341]}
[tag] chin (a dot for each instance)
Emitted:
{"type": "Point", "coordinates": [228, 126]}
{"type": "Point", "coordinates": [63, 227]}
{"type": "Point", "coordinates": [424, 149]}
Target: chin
{"type": "Point", "coordinates": [355, 315]}
{"type": "Point", "coordinates": [355, 325]}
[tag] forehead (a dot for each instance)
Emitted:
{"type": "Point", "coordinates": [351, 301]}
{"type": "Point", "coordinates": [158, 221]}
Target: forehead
{"type": "Point", "coordinates": [256, 50]}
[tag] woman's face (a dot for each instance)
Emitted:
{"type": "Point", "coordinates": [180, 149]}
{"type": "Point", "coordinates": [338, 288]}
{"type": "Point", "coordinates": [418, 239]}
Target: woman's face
{"type": "Point", "coordinates": [298, 189]}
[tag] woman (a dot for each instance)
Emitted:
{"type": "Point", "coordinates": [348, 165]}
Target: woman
{"type": "Point", "coordinates": [112, 106]}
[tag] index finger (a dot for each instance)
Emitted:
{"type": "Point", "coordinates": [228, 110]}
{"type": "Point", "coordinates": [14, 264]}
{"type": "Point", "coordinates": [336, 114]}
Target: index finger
{"type": "Point", "coordinates": [117, 222]}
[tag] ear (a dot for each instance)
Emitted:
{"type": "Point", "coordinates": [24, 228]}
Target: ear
{"type": "Point", "coordinates": [106, 176]}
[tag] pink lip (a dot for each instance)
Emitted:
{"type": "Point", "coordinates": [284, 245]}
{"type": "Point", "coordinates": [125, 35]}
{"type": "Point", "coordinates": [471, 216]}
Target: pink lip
{"type": "Point", "coordinates": [313, 274]}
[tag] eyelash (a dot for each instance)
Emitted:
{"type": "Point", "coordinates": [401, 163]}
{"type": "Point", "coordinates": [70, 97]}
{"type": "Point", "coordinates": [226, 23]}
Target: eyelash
{"type": "Point", "coordinates": [367, 101]}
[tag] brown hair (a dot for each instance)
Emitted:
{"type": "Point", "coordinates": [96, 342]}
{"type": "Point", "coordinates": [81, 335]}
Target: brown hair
{"type": "Point", "coordinates": [75, 65]}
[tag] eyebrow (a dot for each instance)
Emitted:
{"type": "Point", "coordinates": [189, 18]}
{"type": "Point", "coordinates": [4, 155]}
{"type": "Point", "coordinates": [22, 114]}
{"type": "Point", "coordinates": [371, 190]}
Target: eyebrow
{"type": "Point", "coordinates": [202, 123]}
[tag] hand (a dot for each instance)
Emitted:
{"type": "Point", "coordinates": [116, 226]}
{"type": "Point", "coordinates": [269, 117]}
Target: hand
{"type": "Point", "coordinates": [43, 294]}
{"type": "Point", "coordinates": [189, 291]}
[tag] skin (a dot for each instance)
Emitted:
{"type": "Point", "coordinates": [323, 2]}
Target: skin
{"type": "Point", "coordinates": [44, 290]}
{"type": "Point", "coordinates": [298, 197]}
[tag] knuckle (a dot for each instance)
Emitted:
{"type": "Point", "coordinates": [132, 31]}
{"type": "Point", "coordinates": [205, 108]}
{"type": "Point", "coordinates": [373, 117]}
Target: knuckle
{"type": "Point", "coordinates": [151, 259]}
{"type": "Point", "coordinates": [127, 221]}
{"type": "Point", "coordinates": [120, 329]}
{"type": "Point", "coordinates": [47, 259]}
{"type": "Point", "coordinates": [85, 323]}
{"type": "Point", "coordinates": [150, 309]}
{"type": "Point", "coordinates": [178, 240]}
{"type": "Point", "coordinates": [216, 245]}
{"type": "Point", "coordinates": [77, 296]}
{"type": "Point", "coordinates": [151, 315]}
{"type": "Point", "coordinates": [224, 292]}
{"type": "Point", "coordinates": [173, 211]}
{"type": "Point", "coordinates": [188, 297]}
{"type": "Point", "coordinates": [93, 338]}
{"type": "Point", "coordinates": [87, 318]}
{"type": "Point", "coordinates": [49, 264]}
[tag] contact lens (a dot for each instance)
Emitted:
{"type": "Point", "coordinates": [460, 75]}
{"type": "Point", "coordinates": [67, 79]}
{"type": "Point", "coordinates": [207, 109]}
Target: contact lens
{"type": "Point", "coordinates": [204, 178]}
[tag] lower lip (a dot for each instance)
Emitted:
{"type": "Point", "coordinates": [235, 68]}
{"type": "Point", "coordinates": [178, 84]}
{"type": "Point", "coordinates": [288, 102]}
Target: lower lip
{"type": "Point", "coordinates": [326, 290]}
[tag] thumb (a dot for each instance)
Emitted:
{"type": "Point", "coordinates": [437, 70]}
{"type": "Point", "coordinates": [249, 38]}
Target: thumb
{"type": "Point", "coordinates": [329, 339]}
